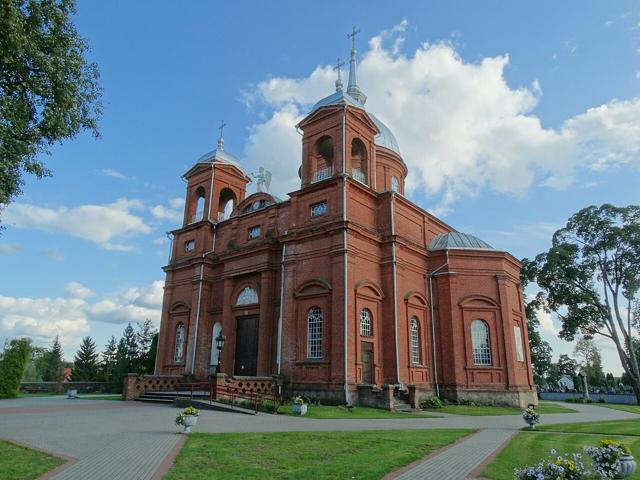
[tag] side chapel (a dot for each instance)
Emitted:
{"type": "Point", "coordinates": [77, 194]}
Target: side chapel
{"type": "Point", "coordinates": [344, 287]}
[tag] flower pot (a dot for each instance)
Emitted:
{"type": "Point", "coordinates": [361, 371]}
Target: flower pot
{"type": "Point", "coordinates": [189, 421]}
{"type": "Point", "coordinates": [627, 466]}
{"type": "Point", "coordinates": [532, 424]}
{"type": "Point", "coordinates": [72, 393]}
{"type": "Point", "coordinates": [300, 408]}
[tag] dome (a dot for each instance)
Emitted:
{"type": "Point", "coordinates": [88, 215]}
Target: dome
{"type": "Point", "coordinates": [385, 138]}
{"type": "Point", "coordinates": [458, 240]}
{"type": "Point", "coordinates": [220, 156]}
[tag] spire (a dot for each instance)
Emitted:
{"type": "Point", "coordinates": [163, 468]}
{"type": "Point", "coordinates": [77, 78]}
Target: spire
{"type": "Point", "coordinates": [352, 88]}
{"type": "Point", "coordinates": [221, 139]}
{"type": "Point", "coordinates": [338, 66]}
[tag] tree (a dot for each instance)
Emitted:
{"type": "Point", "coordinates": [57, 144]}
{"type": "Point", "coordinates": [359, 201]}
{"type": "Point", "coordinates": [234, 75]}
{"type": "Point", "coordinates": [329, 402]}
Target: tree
{"type": "Point", "coordinates": [591, 276]}
{"type": "Point", "coordinates": [35, 365]}
{"type": "Point", "coordinates": [591, 363]}
{"type": "Point", "coordinates": [541, 352]}
{"type": "Point", "coordinates": [126, 358]}
{"type": "Point", "coordinates": [109, 358]}
{"type": "Point", "coordinates": [52, 362]}
{"type": "Point", "coordinates": [13, 363]}
{"type": "Point", "coordinates": [144, 338]}
{"type": "Point", "coordinates": [48, 90]}
{"type": "Point", "coordinates": [85, 363]}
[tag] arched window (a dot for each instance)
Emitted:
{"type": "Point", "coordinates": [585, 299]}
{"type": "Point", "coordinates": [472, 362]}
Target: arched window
{"type": "Point", "coordinates": [323, 159]}
{"type": "Point", "coordinates": [395, 184]}
{"type": "Point", "coordinates": [178, 356]}
{"type": "Point", "coordinates": [226, 204]}
{"type": "Point", "coordinates": [358, 161]}
{"type": "Point", "coordinates": [200, 200]}
{"type": "Point", "coordinates": [480, 343]}
{"type": "Point", "coordinates": [365, 323]}
{"type": "Point", "coordinates": [248, 296]}
{"type": "Point", "coordinates": [314, 332]}
{"type": "Point", "coordinates": [415, 341]}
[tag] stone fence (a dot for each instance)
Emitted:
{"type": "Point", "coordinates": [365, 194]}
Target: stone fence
{"type": "Point", "coordinates": [58, 387]}
{"type": "Point", "coordinates": [135, 385]}
{"type": "Point", "coordinates": [607, 397]}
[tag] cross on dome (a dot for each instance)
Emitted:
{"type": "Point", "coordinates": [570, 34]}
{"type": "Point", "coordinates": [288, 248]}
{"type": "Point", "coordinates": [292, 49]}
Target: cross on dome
{"type": "Point", "coordinates": [221, 139]}
{"type": "Point", "coordinates": [337, 68]}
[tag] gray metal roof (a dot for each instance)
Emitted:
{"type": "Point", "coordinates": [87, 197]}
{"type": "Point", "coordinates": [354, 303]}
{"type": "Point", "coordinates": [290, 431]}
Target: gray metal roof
{"type": "Point", "coordinates": [219, 155]}
{"type": "Point", "coordinates": [458, 240]}
{"type": "Point", "coordinates": [385, 138]}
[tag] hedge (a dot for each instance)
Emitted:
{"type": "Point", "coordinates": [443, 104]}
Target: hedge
{"type": "Point", "coordinates": [12, 366]}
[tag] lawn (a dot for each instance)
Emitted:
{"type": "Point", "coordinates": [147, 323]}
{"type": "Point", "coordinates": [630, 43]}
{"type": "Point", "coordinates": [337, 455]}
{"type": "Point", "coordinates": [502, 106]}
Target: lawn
{"type": "Point", "coordinates": [21, 463]}
{"type": "Point", "coordinates": [611, 427]}
{"type": "Point", "coordinates": [43, 394]}
{"type": "Point", "coordinates": [618, 406]}
{"type": "Point", "coordinates": [324, 411]}
{"type": "Point", "coordinates": [319, 455]}
{"type": "Point", "coordinates": [479, 410]}
{"type": "Point", "coordinates": [115, 396]}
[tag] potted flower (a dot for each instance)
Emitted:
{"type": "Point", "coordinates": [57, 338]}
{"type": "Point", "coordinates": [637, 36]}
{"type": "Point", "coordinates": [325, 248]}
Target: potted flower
{"type": "Point", "coordinates": [187, 418]}
{"type": "Point", "coordinates": [531, 417]}
{"type": "Point", "coordinates": [72, 393]}
{"type": "Point", "coordinates": [555, 467]}
{"type": "Point", "coordinates": [299, 406]}
{"type": "Point", "coordinates": [612, 459]}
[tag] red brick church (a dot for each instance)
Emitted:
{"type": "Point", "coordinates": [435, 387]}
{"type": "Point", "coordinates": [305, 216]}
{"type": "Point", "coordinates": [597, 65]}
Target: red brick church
{"type": "Point", "coordinates": [346, 286]}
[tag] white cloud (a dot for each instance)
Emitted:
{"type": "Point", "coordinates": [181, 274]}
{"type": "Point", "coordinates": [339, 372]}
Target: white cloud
{"type": "Point", "coordinates": [54, 254]}
{"type": "Point", "coordinates": [71, 316]}
{"type": "Point", "coordinates": [461, 128]}
{"type": "Point", "coordinates": [9, 248]}
{"type": "Point", "coordinates": [172, 212]}
{"type": "Point", "coordinates": [106, 225]}
{"type": "Point", "coordinates": [108, 172]}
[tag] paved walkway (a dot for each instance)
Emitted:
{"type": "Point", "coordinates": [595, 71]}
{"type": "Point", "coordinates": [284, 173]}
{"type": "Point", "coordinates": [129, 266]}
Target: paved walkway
{"type": "Point", "coordinates": [127, 440]}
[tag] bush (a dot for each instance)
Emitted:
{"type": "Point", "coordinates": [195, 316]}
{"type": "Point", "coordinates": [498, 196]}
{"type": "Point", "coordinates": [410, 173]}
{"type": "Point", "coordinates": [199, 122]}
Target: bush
{"type": "Point", "coordinates": [467, 402]}
{"type": "Point", "coordinates": [13, 363]}
{"type": "Point", "coordinates": [601, 400]}
{"type": "Point", "coordinates": [431, 402]}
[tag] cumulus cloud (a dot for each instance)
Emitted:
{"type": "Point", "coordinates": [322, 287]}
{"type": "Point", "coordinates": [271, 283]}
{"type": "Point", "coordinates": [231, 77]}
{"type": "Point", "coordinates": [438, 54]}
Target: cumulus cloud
{"type": "Point", "coordinates": [461, 127]}
{"type": "Point", "coordinates": [71, 316]}
{"type": "Point", "coordinates": [172, 212]}
{"type": "Point", "coordinates": [9, 248]}
{"type": "Point", "coordinates": [106, 225]}
{"type": "Point", "coordinates": [109, 172]}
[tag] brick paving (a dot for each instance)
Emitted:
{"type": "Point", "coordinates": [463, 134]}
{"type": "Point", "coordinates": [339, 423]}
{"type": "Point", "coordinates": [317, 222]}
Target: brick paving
{"type": "Point", "coordinates": [129, 441]}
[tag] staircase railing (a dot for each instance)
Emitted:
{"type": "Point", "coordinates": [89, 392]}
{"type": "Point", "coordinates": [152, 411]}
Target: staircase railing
{"type": "Point", "coordinates": [216, 391]}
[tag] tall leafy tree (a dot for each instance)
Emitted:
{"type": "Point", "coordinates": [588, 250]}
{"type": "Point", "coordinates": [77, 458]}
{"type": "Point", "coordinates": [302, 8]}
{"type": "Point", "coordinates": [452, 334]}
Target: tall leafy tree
{"type": "Point", "coordinates": [85, 363]}
{"type": "Point", "coordinates": [591, 361]}
{"type": "Point", "coordinates": [52, 362]}
{"type": "Point", "coordinates": [13, 362]}
{"type": "Point", "coordinates": [49, 92]}
{"type": "Point", "coordinates": [591, 276]}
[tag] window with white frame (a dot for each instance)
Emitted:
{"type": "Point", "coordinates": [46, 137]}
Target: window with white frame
{"type": "Point", "coordinates": [189, 246]}
{"type": "Point", "coordinates": [480, 343]}
{"type": "Point", "coordinates": [248, 296]}
{"type": "Point", "coordinates": [178, 356]}
{"type": "Point", "coordinates": [395, 184]}
{"type": "Point", "coordinates": [415, 341]}
{"type": "Point", "coordinates": [314, 332]}
{"type": "Point", "coordinates": [318, 209]}
{"type": "Point", "coordinates": [254, 232]}
{"type": "Point", "coordinates": [517, 333]}
{"type": "Point", "coordinates": [365, 323]}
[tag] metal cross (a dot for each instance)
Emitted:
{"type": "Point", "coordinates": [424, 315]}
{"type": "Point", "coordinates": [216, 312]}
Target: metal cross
{"type": "Point", "coordinates": [221, 127]}
{"type": "Point", "coordinates": [338, 66]}
{"type": "Point", "coordinates": [352, 36]}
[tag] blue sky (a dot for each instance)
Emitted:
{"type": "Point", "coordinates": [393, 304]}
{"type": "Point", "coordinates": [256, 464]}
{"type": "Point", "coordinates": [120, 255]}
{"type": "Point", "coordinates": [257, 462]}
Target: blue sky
{"type": "Point", "coordinates": [511, 117]}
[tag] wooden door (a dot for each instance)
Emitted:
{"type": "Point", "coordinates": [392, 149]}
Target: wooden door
{"type": "Point", "coordinates": [246, 362]}
{"type": "Point", "coordinates": [367, 362]}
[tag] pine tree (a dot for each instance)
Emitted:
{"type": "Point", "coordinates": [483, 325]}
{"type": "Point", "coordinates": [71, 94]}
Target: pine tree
{"type": "Point", "coordinates": [126, 358]}
{"type": "Point", "coordinates": [145, 336]}
{"type": "Point", "coordinates": [85, 366]}
{"type": "Point", "coordinates": [109, 359]}
{"type": "Point", "coordinates": [52, 364]}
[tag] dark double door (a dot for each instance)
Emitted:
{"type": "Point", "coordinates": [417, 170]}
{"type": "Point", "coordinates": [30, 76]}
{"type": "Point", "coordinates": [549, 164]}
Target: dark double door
{"type": "Point", "coordinates": [367, 362]}
{"type": "Point", "coordinates": [246, 363]}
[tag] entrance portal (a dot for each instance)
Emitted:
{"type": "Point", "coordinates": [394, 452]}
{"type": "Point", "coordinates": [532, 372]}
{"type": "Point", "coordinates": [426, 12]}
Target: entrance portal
{"type": "Point", "coordinates": [246, 362]}
{"type": "Point", "coordinates": [367, 362]}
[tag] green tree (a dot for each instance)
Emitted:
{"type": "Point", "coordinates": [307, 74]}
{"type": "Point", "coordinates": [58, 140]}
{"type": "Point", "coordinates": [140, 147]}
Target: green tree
{"type": "Point", "coordinates": [591, 361]}
{"type": "Point", "coordinates": [49, 92]}
{"type": "Point", "coordinates": [144, 339]}
{"type": "Point", "coordinates": [591, 277]}
{"type": "Point", "coordinates": [127, 358]}
{"type": "Point", "coordinates": [109, 358]}
{"type": "Point", "coordinates": [34, 370]}
{"type": "Point", "coordinates": [85, 363]}
{"type": "Point", "coordinates": [13, 362]}
{"type": "Point", "coordinates": [53, 363]}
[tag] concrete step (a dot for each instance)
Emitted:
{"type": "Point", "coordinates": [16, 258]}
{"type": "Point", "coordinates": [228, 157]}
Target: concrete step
{"type": "Point", "coordinates": [165, 401]}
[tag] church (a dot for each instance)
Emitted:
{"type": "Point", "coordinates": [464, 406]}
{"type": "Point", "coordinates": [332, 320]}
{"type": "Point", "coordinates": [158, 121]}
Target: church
{"type": "Point", "coordinates": [346, 288]}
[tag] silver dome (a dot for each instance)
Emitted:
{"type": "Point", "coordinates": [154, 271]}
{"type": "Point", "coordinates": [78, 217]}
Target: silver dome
{"type": "Point", "coordinates": [458, 240]}
{"type": "Point", "coordinates": [219, 155]}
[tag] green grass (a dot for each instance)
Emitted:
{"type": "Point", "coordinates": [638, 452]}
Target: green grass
{"type": "Point", "coordinates": [115, 396]}
{"type": "Point", "coordinates": [617, 406]}
{"type": "Point", "coordinates": [44, 394]}
{"type": "Point", "coordinates": [528, 448]}
{"type": "Point", "coordinates": [480, 410]}
{"type": "Point", "coordinates": [611, 427]}
{"type": "Point", "coordinates": [319, 455]}
{"type": "Point", "coordinates": [21, 463]}
{"type": "Point", "coordinates": [325, 411]}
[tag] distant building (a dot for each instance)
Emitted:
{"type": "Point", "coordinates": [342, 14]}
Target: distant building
{"type": "Point", "coordinates": [345, 286]}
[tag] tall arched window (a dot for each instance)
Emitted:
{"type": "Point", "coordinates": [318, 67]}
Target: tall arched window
{"type": "Point", "coordinates": [415, 341]}
{"type": "Point", "coordinates": [200, 200]}
{"type": "Point", "coordinates": [226, 204]}
{"type": "Point", "coordinates": [314, 332]}
{"type": "Point", "coordinates": [365, 323]}
{"type": "Point", "coordinates": [247, 296]}
{"type": "Point", "coordinates": [323, 159]}
{"type": "Point", "coordinates": [358, 160]}
{"type": "Point", "coordinates": [178, 356]}
{"type": "Point", "coordinates": [395, 184]}
{"type": "Point", "coordinates": [480, 343]}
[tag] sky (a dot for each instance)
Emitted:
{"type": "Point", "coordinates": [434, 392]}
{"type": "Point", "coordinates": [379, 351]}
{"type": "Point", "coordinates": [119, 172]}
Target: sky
{"type": "Point", "coordinates": [510, 116]}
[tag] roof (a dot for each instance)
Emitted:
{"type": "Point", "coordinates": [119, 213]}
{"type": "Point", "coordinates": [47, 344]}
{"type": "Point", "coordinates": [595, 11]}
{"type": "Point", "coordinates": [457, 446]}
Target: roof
{"type": "Point", "coordinates": [458, 240]}
{"type": "Point", "coordinates": [384, 138]}
{"type": "Point", "coordinates": [220, 156]}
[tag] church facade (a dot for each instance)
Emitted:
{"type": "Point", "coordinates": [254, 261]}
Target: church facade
{"type": "Point", "coordinates": [344, 287]}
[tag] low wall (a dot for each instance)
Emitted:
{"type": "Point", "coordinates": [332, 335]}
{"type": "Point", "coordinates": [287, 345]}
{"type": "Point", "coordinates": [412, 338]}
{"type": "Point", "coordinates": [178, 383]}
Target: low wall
{"type": "Point", "coordinates": [135, 385]}
{"type": "Point", "coordinates": [56, 387]}
{"type": "Point", "coordinates": [608, 397]}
